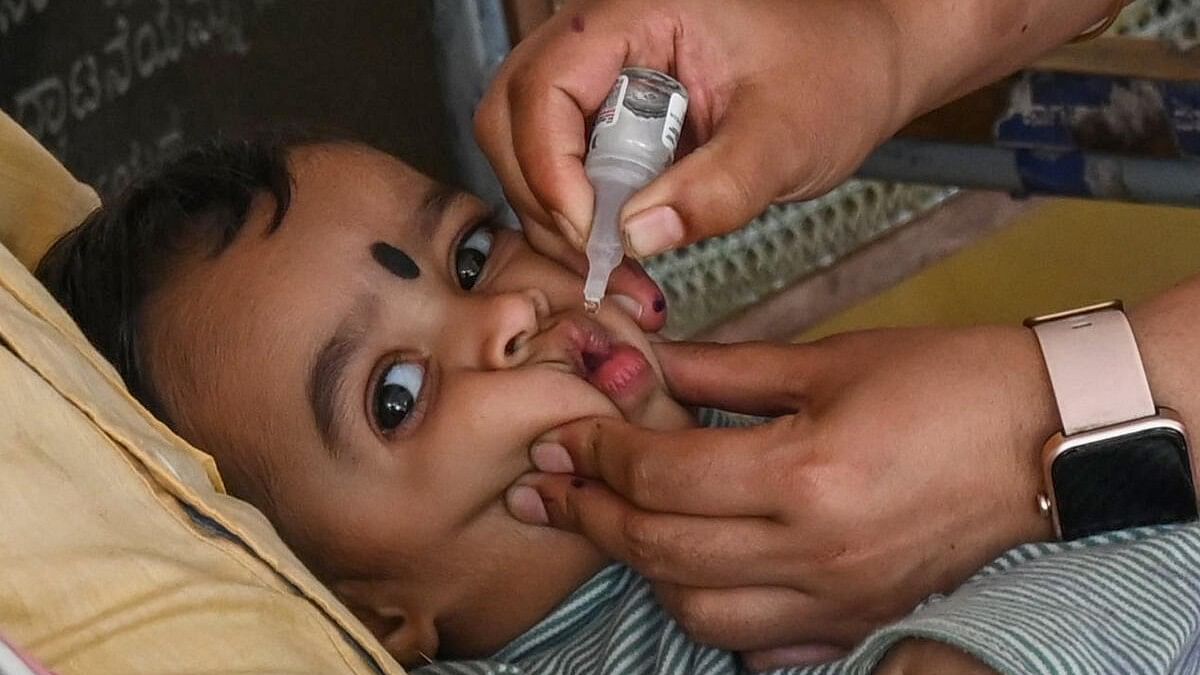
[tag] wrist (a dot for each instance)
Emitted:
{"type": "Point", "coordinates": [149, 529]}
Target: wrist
{"type": "Point", "coordinates": [907, 74]}
{"type": "Point", "coordinates": [1119, 460]}
{"type": "Point", "coordinates": [1030, 418]}
{"type": "Point", "coordinates": [946, 49]}
{"type": "Point", "coordinates": [1166, 340]}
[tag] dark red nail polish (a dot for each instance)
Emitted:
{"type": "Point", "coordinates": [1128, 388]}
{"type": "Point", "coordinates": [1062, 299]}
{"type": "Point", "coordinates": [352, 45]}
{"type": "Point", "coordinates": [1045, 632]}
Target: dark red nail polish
{"type": "Point", "coordinates": [660, 303]}
{"type": "Point", "coordinates": [576, 482]}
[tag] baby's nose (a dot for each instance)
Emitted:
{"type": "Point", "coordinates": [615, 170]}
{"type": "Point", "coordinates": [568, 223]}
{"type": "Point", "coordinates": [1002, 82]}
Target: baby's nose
{"type": "Point", "coordinates": [514, 318]}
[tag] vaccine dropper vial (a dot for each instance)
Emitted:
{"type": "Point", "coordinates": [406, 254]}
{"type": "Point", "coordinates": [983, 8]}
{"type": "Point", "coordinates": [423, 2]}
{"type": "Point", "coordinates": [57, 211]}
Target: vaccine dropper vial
{"type": "Point", "coordinates": [634, 140]}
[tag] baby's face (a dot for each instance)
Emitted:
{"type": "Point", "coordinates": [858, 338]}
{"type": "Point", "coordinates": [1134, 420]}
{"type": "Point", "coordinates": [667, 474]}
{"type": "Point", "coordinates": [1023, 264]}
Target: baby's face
{"type": "Point", "coordinates": [372, 375]}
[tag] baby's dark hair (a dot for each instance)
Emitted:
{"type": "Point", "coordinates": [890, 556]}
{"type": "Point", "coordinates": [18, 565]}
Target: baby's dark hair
{"type": "Point", "coordinates": [103, 271]}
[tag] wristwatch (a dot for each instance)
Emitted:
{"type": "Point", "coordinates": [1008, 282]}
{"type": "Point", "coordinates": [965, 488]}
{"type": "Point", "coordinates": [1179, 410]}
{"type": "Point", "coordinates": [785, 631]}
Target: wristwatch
{"type": "Point", "coordinates": [1119, 460]}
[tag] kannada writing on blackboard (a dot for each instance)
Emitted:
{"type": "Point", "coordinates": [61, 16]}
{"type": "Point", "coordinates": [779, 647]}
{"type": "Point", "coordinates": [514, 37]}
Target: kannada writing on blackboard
{"type": "Point", "coordinates": [112, 86]}
{"type": "Point", "coordinates": [13, 13]}
{"type": "Point", "coordinates": [130, 52]}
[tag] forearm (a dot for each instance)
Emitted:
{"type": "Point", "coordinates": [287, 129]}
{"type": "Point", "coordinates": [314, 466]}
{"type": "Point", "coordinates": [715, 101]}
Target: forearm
{"type": "Point", "coordinates": [947, 48]}
{"type": "Point", "coordinates": [1169, 339]}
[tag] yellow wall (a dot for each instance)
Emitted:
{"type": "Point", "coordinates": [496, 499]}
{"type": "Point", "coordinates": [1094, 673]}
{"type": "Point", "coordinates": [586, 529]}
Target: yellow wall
{"type": "Point", "coordinates": [1065, 254]}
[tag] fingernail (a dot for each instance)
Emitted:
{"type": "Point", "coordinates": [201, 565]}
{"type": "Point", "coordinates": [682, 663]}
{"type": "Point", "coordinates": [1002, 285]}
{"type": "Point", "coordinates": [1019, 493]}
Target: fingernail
{"type": "Point", "coordinates": [653, 231]}
{"type": "Point", "coordinates": [628, 305]}
{"type": "Point", "coordinates": [572, 233]}
{"type": "Point", "coordinates": [551, 458]}
{"type": "Point", "coordinates": [525, 504]}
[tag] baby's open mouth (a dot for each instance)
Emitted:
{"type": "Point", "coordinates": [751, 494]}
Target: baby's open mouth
{"type": "Point", "coordinates": [593, 360]}
{"type": "Point", "coordinates": [617, 369]}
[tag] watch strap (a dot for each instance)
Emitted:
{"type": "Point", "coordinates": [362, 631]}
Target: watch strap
{"type": "Point", "coordinates": [1095, 368]}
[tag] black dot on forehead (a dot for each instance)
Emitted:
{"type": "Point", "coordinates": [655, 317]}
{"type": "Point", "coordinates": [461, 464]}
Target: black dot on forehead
{"type": "Point", "coordinates": [394, 260]}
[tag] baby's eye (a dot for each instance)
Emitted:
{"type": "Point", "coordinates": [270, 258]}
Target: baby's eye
{"type": "Point", "coordinates": [472, 255]}
{"type": "Point", "coordinates": [397, 393]}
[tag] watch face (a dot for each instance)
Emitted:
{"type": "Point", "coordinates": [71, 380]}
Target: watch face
{"type": "Point", "coordinates": [1140, 479]}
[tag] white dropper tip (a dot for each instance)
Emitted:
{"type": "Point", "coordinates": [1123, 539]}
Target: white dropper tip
{"type": "Point", "coordinates": [601, 263]}
{"type": "Point", "coordinates": [605, 249]}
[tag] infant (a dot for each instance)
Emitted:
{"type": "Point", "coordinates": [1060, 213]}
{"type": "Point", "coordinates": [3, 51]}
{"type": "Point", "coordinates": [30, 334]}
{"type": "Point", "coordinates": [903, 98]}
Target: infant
{"type": "Point", "coordinates": [368, 357]}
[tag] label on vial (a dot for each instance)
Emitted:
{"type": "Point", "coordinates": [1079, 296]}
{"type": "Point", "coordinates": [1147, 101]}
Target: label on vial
{"type": "Point", "coordinates": [610, 111]}
{"type": "Point", "coordinates": [676, 110]}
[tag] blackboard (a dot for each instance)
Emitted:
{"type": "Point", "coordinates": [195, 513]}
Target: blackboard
{"type": "Point", "coordinates": [110, 85]}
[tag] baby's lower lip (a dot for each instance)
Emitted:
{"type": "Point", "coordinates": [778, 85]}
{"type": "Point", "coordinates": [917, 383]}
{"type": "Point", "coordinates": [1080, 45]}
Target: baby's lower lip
{"type": "Point", "coordinates": [623, 374]}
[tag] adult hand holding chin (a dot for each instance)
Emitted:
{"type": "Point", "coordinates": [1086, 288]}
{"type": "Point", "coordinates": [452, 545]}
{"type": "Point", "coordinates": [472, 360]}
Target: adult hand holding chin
{"type": "Point", "coordinates": [903, 461]}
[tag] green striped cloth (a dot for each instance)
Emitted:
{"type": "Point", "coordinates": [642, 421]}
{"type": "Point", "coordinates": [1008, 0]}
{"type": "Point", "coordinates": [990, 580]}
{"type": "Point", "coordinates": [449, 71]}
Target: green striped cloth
{"type": "Point", "coordinates": [1124, 603]}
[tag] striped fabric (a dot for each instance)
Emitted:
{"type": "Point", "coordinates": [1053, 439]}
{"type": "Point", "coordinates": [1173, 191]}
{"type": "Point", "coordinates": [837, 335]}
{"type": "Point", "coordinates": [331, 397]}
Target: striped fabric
{"type": "Point", "coordinates": [1125, 603]}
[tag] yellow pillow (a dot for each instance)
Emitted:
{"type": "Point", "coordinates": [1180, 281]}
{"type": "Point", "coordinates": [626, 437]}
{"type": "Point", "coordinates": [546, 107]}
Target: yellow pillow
{"type": "Point", "coordinates": [39, 199]}
{"type": "Point", "coordinates": [121, 551]}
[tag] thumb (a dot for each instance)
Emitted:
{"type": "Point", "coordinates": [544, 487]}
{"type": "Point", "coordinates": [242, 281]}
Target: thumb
{"type": "Point", "coordinates": [716, 189]}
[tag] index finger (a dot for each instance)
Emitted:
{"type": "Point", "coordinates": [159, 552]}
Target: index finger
{"type": "Point", "coordinates": [565, 76]}
{"type": "Point", "coordinates": [536, 109]}
{"type": "Point", "coordinates": [702, 472]}
{"type": "Point", "coordinates": [757, 378]}
{"type": "Point", "coordinates": [689, 550]}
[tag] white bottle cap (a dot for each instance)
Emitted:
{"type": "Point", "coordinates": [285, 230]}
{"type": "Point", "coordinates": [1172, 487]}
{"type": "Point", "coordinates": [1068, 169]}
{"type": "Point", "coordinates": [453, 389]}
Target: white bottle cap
{"type": "Point", "coordinates": [640, 121]}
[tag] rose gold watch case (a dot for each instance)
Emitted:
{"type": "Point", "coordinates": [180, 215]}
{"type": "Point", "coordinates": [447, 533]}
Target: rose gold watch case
{"type": "Point", "coordinates": [1058, 444]}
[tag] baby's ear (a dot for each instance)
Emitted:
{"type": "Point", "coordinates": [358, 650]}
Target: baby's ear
{"type": "Point", "coordinates": [408, 633]}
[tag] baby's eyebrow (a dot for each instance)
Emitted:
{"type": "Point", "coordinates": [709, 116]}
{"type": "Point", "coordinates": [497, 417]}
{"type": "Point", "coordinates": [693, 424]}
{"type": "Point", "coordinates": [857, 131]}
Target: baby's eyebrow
{"type": "Point", "coordinates": [437, 201]}
{"type": "Point", "coordinates": [327, 378]}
